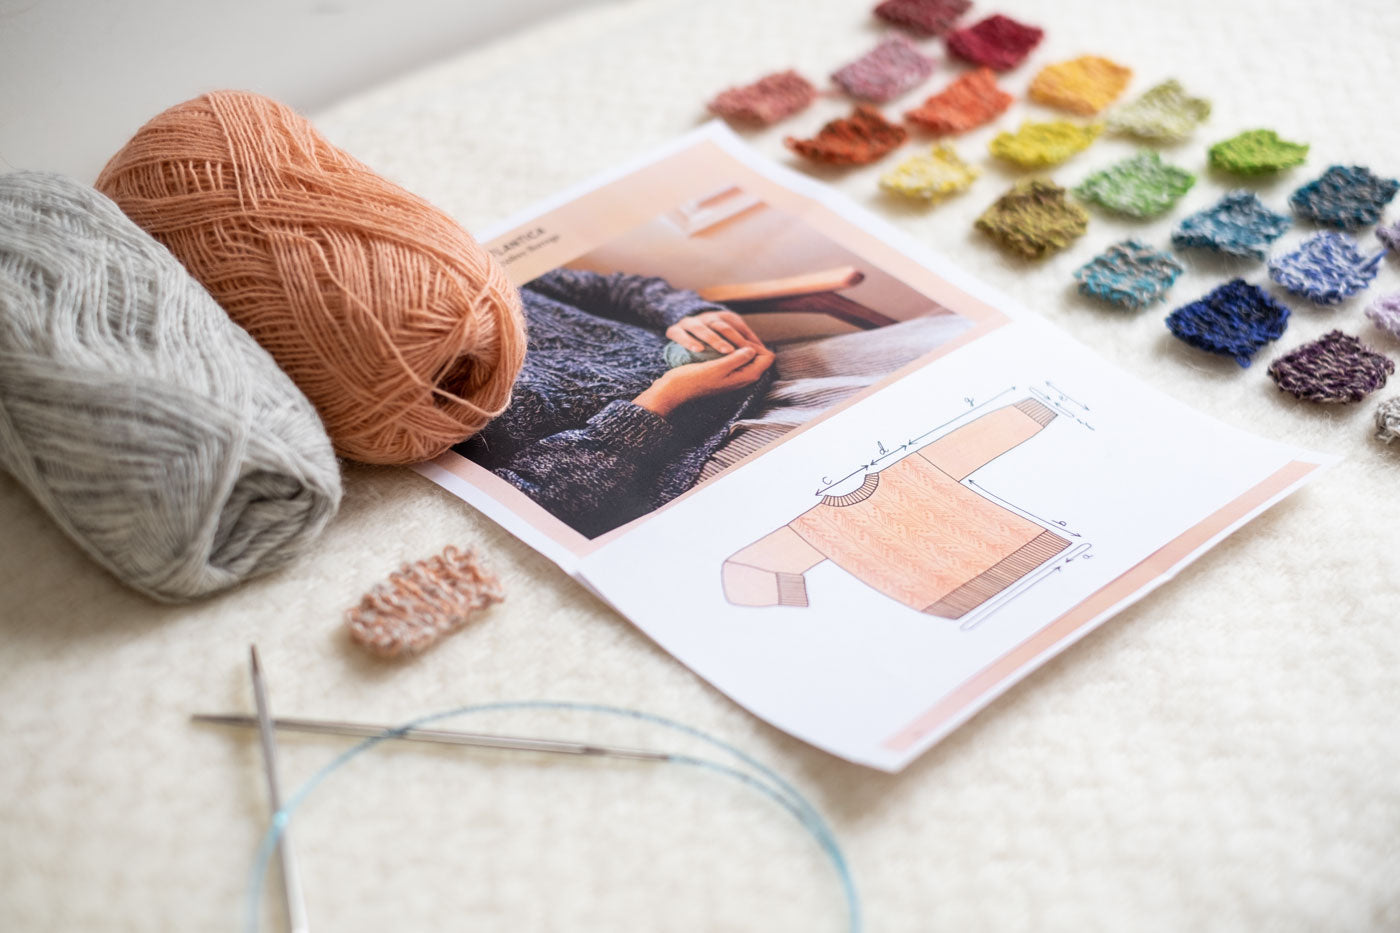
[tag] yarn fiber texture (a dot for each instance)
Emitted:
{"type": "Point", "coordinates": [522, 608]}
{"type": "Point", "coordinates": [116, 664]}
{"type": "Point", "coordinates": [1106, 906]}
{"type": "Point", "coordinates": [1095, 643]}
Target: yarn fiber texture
{"type": "Point", "coordinates": [405, 334]}
{"type": "Point", "coordinates": [153, 430]}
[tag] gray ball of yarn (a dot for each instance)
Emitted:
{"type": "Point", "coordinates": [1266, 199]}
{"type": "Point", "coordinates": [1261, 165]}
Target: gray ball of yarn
{"type": "Point", "coordinates": [677, 355]}
{"type": "Point", "coordinates": [152, 429]}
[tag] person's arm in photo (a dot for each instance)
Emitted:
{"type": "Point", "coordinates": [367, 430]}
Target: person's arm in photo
{"type": "Point", "coordinates": [651, 302]}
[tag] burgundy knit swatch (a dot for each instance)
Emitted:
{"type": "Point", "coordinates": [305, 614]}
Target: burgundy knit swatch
{"type": "Point", "coordinates": [998, 42]}
{"type": "Point", "coordinates": [970, 101]}
{"type": "Point", "coordinates": [923, 17]}
{"type": "Point", "coordinates": [886, 71]}
{"type": "Point", "coordinates": [766, 101]}
{"type": "Point", "coordinates": [1334, 368]}
{"type": "Point", "coordinates": [859, 139]}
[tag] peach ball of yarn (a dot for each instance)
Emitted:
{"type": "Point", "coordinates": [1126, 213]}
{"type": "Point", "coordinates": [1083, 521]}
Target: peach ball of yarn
{"type": "Point", "coordinates": [398, 326]}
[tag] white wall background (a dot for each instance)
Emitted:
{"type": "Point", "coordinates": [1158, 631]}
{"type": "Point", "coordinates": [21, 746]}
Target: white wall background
{"type": "Point", "coordinates": [77, 77]}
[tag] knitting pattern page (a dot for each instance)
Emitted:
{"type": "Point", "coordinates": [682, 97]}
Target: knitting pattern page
{"type": "Point", "coordinates": [856, 490]}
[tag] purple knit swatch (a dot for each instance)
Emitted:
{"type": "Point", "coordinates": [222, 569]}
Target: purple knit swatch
{"type": "Point", "coordinates": [923, 17]}
{"type": "Point", "coordinates": [1235, 320]}
{"type": "Point", "coordinates": [1326, 268]}
{"type": "Point", "coordinates": [1390, 236]}
{"type": "Point", "coordinates": [1334, 368]}
{"type": "Point", "coordinates": [1384, 312]}
{"type": "Point", "coordinates": [1347, 197]}
{"type": "Point", "coordinates": [886, 71]}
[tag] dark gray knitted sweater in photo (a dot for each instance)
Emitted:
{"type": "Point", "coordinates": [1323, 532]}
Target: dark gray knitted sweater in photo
{"type": "Point", "coordinates": [572, 439]}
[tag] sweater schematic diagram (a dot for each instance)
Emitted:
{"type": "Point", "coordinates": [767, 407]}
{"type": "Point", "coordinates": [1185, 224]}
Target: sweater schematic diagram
{"type": "Point", "coordinates": [912, 531]}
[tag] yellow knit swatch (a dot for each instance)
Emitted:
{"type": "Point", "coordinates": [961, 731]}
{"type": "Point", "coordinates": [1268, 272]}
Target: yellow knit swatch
{"type": "Point", "coordinates": [934, 176]}
{"type": "Point", "coordinates": [1083, 85]}
{"type": "Point", "coordinates": [1036, 145]}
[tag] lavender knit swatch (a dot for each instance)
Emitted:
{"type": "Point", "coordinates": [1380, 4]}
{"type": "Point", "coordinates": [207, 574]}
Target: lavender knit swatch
{"type": "Point", "coordinates": [1334, 368]}
{"type": "Point", "coordinates": [1326, 268]}
{"type": "Point", "coordinates": [1234, 320]}
{"type": "Point", "coordinates": [1384, 312]}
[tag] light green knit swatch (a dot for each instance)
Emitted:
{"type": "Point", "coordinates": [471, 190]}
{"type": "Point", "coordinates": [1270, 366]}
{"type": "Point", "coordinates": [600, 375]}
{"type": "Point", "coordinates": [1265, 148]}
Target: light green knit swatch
{"type": "Point", "coordinates": [1140, 186]}
{"type": "Point", "coordinates": [1165, 113]}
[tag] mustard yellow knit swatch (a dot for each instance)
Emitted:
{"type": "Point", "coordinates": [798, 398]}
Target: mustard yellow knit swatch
{"type": "Point", "coordinates": [1083, 85]}
{"type": "Point", "coordinates": [934, 176]}
{"type": "Point", "coordinates": [1037, 145]}
{"type": "Point", "coordinates": [1034, 218]}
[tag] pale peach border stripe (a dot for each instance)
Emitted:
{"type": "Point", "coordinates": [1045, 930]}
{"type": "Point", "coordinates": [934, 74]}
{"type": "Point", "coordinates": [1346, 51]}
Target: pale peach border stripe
{"type": "Point", "coordinates": [1002, 672]}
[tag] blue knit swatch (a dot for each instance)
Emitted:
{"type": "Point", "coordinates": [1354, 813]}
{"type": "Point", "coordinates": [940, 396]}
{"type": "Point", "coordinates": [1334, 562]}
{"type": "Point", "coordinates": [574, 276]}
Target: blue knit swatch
{"type": "Point", "coordinates": [1234, 320]}
{"type": "Point", "coordinates": [1326, 268]}
{"type": "Point", "coordinates": [1130, 274]}
{"type": "Point", "coordinates": [1239, 225]}
{"type": "Point", "coordinates": [1348, 197]}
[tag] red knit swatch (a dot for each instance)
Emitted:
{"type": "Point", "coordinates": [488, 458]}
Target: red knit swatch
{"type": "Point", "coordinates": [970, 101]}
{"type": "Point", "coordinates": [998, 42]}
{"type": "Point", "coordinates": [923, 17]}
{"type": "Point", "coordinates": [859, 139]}
{"type": "Point", "coordinates": [886, 71]}
{"type": "Point", "coordinates": [767, 100]}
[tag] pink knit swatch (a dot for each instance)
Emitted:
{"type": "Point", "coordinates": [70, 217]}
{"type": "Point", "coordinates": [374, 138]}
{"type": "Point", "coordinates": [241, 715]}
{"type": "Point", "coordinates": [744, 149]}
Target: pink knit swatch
{"type": "Point", "coordinates": [886, 71]}
{"type": "Point", "coordinates": [923, 17]}
{"type": "Point", "coordinates": [766, 101]}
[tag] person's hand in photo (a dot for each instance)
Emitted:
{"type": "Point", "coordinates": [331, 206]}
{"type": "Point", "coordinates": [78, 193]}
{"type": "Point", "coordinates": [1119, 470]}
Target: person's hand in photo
{"type": "Point", "coordinates": [722, 331]}
{"type": "Point", "coordinates": [686, 383]}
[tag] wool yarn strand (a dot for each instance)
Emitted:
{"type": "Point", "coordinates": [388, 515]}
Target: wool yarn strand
{"type": "Point", "coordinates": [152, 429]}
{"type": "Point", "coordinates": [404, 332]}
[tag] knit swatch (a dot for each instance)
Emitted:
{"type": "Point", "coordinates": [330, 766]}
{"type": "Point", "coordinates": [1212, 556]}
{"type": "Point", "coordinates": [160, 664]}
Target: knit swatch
{"type": "Point", "coordinates": [970, 101]}
{"type": "Point", "coordinates": [859, 139]}
{"type": "Point", "coordinates": [1083, 85]}
{"type": "Point", "coordinates": [1034, 218]}
{"type": "Point", "coordinates": [1388, 420]}
{"type": "Point", "coordinates": [923, 17]}
{"type": "Point", "coordinates": [886, 71]}
{"type": "Point", "coordinates": [1390, 236]}
{"type": "Point", "coordinates": [1347, 197]}
{"type": "Point", "coordinates": [1037, 145]}
{"type": "Point", "coordinates": [1131, 275]}
{"type": "Point", "coordinates": [1166, 113]}
{"type": "Point", "coordinates": [1257, 152]}
{"type": "Point", "coordinates": [1238, 225]}
{"type": "Point", "coordinates": [998, 42]}
{"type": "Point", "coordinates": [767, 100]}
{"type": "Point", "coordinates": [1334, 368]}
{"type": "Point", "coordinates": [1234, 320]}
{"type": "Point", "coordinates": [1384, 312]}
{"type": "Point", "coordinates": [1325, 269]}
{"type": "Point", "coordinates": [933, 177]}
{"type": "Point", "coordinates": [421, 603]}
{"type": "Point", "coordinates": [1139, 186]}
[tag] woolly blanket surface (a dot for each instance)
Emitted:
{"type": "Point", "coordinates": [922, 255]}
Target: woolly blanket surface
{"type": "Point", "coordinates": [1223, 756]}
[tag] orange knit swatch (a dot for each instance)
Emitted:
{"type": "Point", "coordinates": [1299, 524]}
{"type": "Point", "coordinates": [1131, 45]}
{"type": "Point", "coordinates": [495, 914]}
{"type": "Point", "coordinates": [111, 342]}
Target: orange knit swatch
{"type": "Point", "coordinates": [861, 138]}
{"type": "Point", "coordinates": [1083, 85]}
{"type": "Point", "coordinates": [970, 101]}
{"type": "Point", "coordinates": [401, 330]}
{"type": "Point", "coordinates": [423, 602]}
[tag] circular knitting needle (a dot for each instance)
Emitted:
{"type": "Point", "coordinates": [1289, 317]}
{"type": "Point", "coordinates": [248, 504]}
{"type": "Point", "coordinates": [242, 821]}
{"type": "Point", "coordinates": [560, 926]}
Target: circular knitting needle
{"type": "Point", "coordinates": [291, 883]}
{"type": "Point", "coordinates": [441, 736]}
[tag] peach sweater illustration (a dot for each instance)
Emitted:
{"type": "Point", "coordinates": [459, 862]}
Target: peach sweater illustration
{"type": "Point", "coordinates": [912, 531]}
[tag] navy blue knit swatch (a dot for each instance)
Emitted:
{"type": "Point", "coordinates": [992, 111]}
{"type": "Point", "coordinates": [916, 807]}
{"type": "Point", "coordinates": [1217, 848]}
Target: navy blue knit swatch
{"type": "Point", "coordinates": [1234, 320]}
{"type": "Point", "coordinates": [1347, 197]}
{"type": "Point", "coordinates": [1238, 225]}
{"type": "Point", "coordinates": [1129, 274]}
{"type": "Point", "coordinates": [1326, 268]}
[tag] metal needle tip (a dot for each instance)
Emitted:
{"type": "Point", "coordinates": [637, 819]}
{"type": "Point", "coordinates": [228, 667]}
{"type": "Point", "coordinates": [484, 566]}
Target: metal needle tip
{"type": "Point", "coordinates": [291, 883]}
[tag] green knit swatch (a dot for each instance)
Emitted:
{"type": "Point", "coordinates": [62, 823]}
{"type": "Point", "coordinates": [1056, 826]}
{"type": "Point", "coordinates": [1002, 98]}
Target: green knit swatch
{"type": "Point", "coordinates": [1037, 145]}
{"type": "Point", "coordinates": [1140, 186]}
{"type": "Point", "coordinates": [1166, 113]}
{"type": "Point", "coordinates": [1257, 152]}
{"type": "Point", "coordinates": [1034, 218]}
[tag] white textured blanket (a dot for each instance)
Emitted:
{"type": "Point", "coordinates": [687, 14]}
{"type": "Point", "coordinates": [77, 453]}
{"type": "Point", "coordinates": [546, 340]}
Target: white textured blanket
{"type": "Point", "coordinates": [1224, 756]}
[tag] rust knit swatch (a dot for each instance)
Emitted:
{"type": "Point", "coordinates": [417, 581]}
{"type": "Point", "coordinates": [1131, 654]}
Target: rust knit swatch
{"type": "Point", "coordinates": [998, 42]}
{"type": "Point", "coordinates": [859, 139]}
{"type": "Point", "coordinates": [1083, 85]}
{"type": "Point", "coordinates": [970, 101]}
{"type": "Point", "coordinates": [767, 100]}
{"type": "Point", "coordinates": [423, 602]}
{"type": "Point", "coordinates": [401, 330]}
{"type": "Point", "coordinates": [1034, 219]}
{"type": "Point", "coordinates": [923, 17]}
